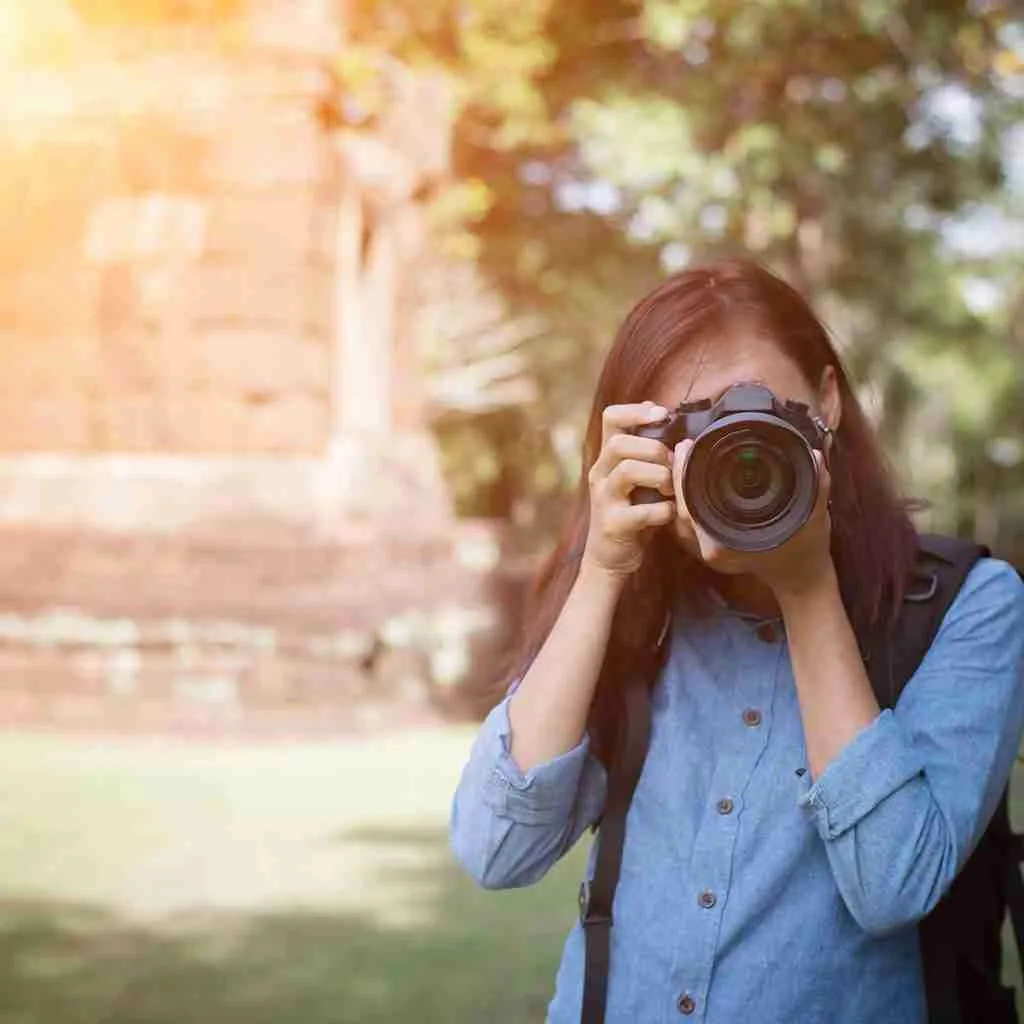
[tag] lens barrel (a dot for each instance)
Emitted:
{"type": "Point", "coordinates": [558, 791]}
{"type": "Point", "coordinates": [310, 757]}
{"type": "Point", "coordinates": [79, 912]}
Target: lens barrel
{"type": "Point", "coordinates": [751, 481]}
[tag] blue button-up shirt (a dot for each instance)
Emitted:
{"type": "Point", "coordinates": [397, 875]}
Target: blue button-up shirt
{"type": "Point", "coordinates": [749, 892]}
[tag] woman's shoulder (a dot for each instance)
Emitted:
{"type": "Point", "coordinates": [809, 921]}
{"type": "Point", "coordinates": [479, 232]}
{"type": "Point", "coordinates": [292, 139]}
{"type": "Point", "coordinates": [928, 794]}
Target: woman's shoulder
{"type": "Point", "coordinates": [978, 648]}
{"type": "Point", "coordinates": [994, 579]}
{"type": "Point", "coordinates": [991, 599]}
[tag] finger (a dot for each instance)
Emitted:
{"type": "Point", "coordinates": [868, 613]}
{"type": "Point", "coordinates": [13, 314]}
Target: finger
{"type": "Point", "coordinates": [684, 524]}
{"type": "Point", "coordinates": [629, 446]}
{"type": "Point", "coordinates": [711, 549]}
{"type": "Point", "coordinates": [680, 457]}
{"type": "Point", "coordinates": [823, 504]}
{"type": "Point", "coordinates": [824, 480]}
{"type": "Point", "coordinates": [620, 419]}
{"type": "Point", "coordinates": [632, 473]}
{"type": "Point", "coordinates": [630, 519]}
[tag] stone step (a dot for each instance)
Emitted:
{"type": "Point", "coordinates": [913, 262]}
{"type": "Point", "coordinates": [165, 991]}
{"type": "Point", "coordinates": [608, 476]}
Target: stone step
{"type": "Point", "coordinates": [187, 630]}
{"type": "Point", "coordinates": [297, 583]}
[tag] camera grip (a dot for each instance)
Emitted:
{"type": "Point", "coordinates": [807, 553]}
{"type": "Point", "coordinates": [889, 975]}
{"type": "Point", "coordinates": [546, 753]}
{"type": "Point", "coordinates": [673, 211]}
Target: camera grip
{"type": "Point", "coordinates": [662, 432]}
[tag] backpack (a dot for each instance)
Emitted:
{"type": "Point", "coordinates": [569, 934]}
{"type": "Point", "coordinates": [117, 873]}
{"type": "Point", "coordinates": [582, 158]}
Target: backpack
{"type": "Point", "coordinates": [961, 949]}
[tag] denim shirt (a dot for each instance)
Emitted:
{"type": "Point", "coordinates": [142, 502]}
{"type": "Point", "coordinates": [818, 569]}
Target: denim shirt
{"type": "Point", "coordinates": [747, 891]}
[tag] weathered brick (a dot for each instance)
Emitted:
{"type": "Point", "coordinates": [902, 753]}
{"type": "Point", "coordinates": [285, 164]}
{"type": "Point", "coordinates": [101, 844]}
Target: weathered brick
{"type": "Point", "coordinates": [251, 152]}
{"type": "Point", "coordinates": [296, 423]}
{"type": "Point", "coordinates": [282, 225]}
{"type": "Point", "coordinates": [247, 360]}
{"type": "Point", "coordinates": [49, 298]}
{"type": "Point", "coordinates": [292, 296]}
{"type": "Point", "coordinates": [35, 421]}
{"type": "Point", "coordinates": [130, 422]}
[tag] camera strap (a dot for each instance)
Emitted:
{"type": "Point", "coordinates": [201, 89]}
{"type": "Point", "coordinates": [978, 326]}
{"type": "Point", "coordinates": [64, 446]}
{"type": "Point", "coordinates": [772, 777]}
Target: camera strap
{"type": "Point", "coordinates": [596, 896]}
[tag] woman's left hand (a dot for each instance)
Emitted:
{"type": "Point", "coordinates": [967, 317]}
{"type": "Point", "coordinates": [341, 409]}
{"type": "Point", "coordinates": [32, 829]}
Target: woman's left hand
{"type": "Point", "coordinates": [793, 567]}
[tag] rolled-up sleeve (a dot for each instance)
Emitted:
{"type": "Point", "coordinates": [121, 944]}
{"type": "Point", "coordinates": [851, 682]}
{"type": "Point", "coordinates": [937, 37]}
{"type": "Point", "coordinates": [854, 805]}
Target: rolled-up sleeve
{"type": "Point", "coordinates": [880, 762]}
{"type": "Point", "coordinates": [508, 827]}
{"type": "Point", "coordinates": [903, 805]}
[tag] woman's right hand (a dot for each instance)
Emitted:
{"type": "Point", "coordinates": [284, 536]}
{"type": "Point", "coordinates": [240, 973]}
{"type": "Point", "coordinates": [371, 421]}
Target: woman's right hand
{"type": "Point", "coordinates": [619, 529]}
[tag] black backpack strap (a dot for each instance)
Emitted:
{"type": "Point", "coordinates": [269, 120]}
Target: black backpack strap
{"type": "Point", "coordinates": [1012, 849]}
{"type": "Point", "coordinates": [596, 897]}
{"type": "Point", "coordinates": [959, 937]}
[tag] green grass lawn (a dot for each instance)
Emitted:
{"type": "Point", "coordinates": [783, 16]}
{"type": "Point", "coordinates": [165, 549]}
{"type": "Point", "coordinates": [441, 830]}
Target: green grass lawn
{"type": "Point", "coordinates": [147, 883]}
{"type": "Point", "coordinates": [152, 884]}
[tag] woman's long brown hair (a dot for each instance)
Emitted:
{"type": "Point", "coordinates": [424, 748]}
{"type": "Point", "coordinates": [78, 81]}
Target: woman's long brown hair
{"type": "Point", "coordinates": [873, 539]}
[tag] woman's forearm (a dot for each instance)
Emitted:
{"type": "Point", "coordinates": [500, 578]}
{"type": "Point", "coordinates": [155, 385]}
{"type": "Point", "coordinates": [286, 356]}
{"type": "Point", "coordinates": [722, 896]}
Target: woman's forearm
{"type": "Point", "coordinates": [548, 712]}
{"type": "Point", "coordinates": [835, 695]}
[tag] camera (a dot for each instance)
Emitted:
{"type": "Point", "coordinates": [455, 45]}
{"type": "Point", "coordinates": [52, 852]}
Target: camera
{"type": "Point", "coordinates": [751, 480]}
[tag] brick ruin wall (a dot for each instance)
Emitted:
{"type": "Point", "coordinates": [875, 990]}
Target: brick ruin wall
{"type": "Point", "coordinates": [167, 290]}
{"type": "Point", "coordinates": [168, 254]}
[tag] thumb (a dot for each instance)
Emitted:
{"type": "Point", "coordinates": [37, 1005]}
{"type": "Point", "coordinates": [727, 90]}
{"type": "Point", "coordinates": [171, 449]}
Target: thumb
{"type": "Point", "coordinates": [680, 457]}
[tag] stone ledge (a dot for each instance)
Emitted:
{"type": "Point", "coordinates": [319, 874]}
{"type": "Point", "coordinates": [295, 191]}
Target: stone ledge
{"type": "Point", "coordinates": [363, 486]}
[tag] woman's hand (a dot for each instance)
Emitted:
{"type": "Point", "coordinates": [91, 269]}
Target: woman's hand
{"type": "Point", "coordinates": [789, 569]}
{"type": "Point", "coordinates": [618, 529]}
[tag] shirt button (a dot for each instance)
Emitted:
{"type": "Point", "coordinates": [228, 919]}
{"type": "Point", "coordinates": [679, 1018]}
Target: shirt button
{"type": "Point", "coordinates": [724, 806]}
{"type": "Point", "coordinates": [706, 899]}
{"type": "Point", "coordinates": [686, 1004]}
{"type": "Point", "coordinates": [752, 717]}
{"type": "Point", "coordinates": [766, 632]}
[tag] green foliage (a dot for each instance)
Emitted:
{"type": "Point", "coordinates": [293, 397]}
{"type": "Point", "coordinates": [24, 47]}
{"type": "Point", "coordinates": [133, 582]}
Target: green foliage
{"type": "Point", "coordinates": [837, 144]}
{"type": "Point", "coordinates": [497, 53]}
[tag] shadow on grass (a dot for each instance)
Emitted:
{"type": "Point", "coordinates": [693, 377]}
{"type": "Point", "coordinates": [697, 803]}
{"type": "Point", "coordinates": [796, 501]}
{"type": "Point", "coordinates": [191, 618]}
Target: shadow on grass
{"type": "Point", "coordinates": [443, 952]}
{"type": "Point", "coordinates": [435, 949]}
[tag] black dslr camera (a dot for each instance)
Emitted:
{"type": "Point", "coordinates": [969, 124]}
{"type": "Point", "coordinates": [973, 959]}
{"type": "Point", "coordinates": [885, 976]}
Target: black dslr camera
{"type": "Point", "coordinates": [751, 480]}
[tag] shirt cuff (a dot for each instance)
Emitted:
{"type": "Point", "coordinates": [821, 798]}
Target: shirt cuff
{"type": "Point", "coordinates": [544, 795]}
{"type": "Point", "coordinates": [873, 765]}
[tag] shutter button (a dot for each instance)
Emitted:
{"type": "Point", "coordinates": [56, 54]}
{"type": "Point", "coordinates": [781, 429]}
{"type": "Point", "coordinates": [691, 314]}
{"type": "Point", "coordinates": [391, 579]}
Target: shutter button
{"type": "Point", "coordinates": [686, 1004]}
{"type": "Point", "coordinates": [752, 717]}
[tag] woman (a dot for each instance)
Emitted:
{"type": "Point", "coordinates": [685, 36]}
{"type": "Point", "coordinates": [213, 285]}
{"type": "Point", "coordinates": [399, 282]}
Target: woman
{"type": "Point", "coordinates": [786, 834]}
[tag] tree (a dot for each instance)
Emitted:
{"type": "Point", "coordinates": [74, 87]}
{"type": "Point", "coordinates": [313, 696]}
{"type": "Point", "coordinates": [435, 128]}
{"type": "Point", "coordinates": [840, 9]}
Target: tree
{"type": "Point", "coordinates": [840, 143]}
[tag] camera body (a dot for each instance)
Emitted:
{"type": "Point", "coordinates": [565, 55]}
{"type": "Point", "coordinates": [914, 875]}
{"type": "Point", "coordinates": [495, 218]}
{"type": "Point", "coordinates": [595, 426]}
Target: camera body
{"type": "Point", "coordinates": [751, 480]}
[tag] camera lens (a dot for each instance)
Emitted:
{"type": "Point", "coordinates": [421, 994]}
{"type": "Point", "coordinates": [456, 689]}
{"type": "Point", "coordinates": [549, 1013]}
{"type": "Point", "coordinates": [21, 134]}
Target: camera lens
{"type": "Point", "coordinates": [750, 482]}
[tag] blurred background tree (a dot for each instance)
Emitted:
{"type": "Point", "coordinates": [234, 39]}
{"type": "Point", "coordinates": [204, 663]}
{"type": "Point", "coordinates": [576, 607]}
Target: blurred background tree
{"type": "Point", "coordinates": [155, 11]}
{"type": "Point", "coordinates": [869, 151]}
{"type": "Point", "coordinates": [872, 152]}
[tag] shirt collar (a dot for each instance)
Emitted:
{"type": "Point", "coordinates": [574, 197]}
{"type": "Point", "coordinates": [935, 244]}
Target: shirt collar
{"type": "Point", "coordinates": [723, 607]}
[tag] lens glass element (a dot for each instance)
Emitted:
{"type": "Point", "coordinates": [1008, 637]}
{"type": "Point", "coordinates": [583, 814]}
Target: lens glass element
{"type": "Point", "coordinates": [750, 480]}
{"type": "Point", "coordinates": [751, 474]}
